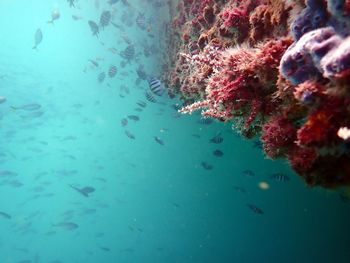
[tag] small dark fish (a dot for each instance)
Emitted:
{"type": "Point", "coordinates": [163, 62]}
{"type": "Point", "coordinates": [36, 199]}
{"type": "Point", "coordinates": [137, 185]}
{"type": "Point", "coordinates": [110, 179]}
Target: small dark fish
{"type": "Point", "coordinates": [85, 191]}
{"type": "Point", "coordinates": [5, 215]}
{"type": "Point", "coordinates": [141, 73]}
{"type": "Point", "coordinates": [239, 189]}
{"type": "Point", "coordinates": [205, 121]}
{"type": "Point", "coordinates": [134, 117]}
{"type": "Point", "coordinates": [38, 38]}
{"type": "Point", "coordinates": [138, 109]}
{"type": "Point", "coordinates": [206, 166]}
{"type": "Point", "coordinates": [196, 136]}
{"type": "Point", "coordinates": [280, 177]}
{"type": "Point", "coordinates": [218, 153]}
{"type": "Point", "coordinates": [75, 17]}
{"type": "Point", "coordinates": [107, 249]}
{"type": "Point", "coordinates": [27, 107]}
{"type": "Point", "coordinates": [101, 77]}
{"type": "Point", "coordinates": [124, 122]}
{"type": "Point", "coordinates": [130, 135]}
{"type": "Point", "coordinates": [112, 71]}
{"type": "Point", "coordinates": [112, 2]}
{"type": "Point", "coordinates": [258, 144]}
{"type": "Point", "coordinates": [248, 173]}
{"type": "Point", "coordinates": [217, 139]}
{"type": "Point", "coordinates": [141, 103]}
{"type": "Point", "coordinates": [94, 28]}
{"type": "Point", "coordinates": [128, 53]}
{"type": "Point", "coordinates": [95, 63]}
{"type": "Point", "coordinates": [71, 3]}
{"type": "Point", "coordinates": [158, 140]}
{"type": "Point", "coordinates": [149, 96]}
{"type": "Point", "coordinates": [67, 225]}
{"type": "Point", "coordinates": [255, 209]}
{"type": "Point", "coordinates": [105, 18]}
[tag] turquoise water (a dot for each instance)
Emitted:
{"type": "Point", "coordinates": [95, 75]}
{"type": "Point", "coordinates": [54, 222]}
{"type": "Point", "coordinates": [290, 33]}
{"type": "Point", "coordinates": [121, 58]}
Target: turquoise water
{"type": "Point", "coordinates": [152, 202]}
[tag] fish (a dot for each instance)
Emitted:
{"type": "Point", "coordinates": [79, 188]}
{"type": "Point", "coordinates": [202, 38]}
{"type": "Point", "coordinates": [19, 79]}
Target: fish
{"type": "Point", "coordinates": [141, 103]}
{"type": "Point", "coordinates": [205, 121]}
{"type": "Point", "coordinates": [158, 140]}
{"type": "Point", "coordinates": [67, 225]}
{"type": "Point", "coordinates": [107, 249]}
{"type": "Point", "coordinates": [124, 122]}
{"type": "Point", "coordinates": [280, 177]}
{"type": "Point", "coordinates": [27, 107]}
{"type": "Point", "coordinates": [112, 2]}
{"type": "Point", "coordinates": [55, 15]}
{"type": "Point", "coordinates": [133, 117]}
{"type": "Point", "coordinates": [141, 21]}
{"type": "Point", "coordinates": [239, 189]}
{"type": "Point", "coordinates": [130, 135]}
{"type": "Point", "coordinates": [112, 71]}
{"type": "Point", "coordinates": [105, 18]}
{"type": "Point", "coordinates": [128, 53]}
{"type": "Point", "coordinates": [2, 99]}
{"type": "Point", "coordinates": [258, 144]}
{"type": "Point", "coordinates": [217, 139]}
{"type": "Point", "coordinates": [248, 173]}
{"type": "Point", "coordinates": [218, 153]}
{"type": "Point", "coordinates": [71, 3]}
{"type": "Point", "coordinates": [141, 73]}
{"type": "Point", "coordinates": [255, 209]}
{"type": "Point", "coordinates": [38, 38]}
{"type": "Point", "coordinates": [206, 166]}
{"type": "Point", "coordinates": [156, 86]}
{"type": "Point", "coordinates": [101, 77]}
{"type": "Point", "coordinates": [85, 191]}
{"type": "Point", "coordinates": [113, 50]}
{"type": "Point", "coordinates": [94, 28]}
{"type": "Point", "coordinates": [5, 215]}
{"type": "Point", "coordinates": [149, 96]}
{"type": "Point", "coordinates": [138, 109]}
{"type": "Point", "coordinates": [95, 63]}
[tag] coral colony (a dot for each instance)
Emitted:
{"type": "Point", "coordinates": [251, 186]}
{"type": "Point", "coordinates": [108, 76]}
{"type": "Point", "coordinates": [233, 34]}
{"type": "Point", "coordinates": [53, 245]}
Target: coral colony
{"type": "Point", "coordinates": [275, 69]}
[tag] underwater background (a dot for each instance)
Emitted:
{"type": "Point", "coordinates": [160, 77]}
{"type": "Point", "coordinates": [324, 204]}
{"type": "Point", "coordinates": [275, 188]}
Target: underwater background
{"type": "Point", "coordinates": [91, 170]}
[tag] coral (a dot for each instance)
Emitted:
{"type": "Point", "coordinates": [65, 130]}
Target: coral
{"type": "Point", "coordinates": [274, 68]}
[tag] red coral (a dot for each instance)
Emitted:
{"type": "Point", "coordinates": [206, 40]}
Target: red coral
{"type": "Point", "coordinates": [278, 135]}
{"type": "Point", "coordinates": [302, 159]}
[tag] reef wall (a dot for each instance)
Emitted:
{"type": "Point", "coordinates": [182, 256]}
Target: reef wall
{"type": "Point", "coordinates": [276, 69]}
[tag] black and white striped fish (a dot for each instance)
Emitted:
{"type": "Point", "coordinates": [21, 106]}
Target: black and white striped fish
{"type": "Point", "coordinates": [280, 177]}
{"type": "Point", "coordinates": [149, 96]}
{"type": "Point", "coordinates": [101, 77]}
{"type": "Point", "coordinates": [141, 21]}
{"type": "Point", "coordinates": [141, 103]}
{"type": "Point", "coordinates": [112, 71]}
{"type": "Point", "coordinates": [156, 86]}
{"type": "Point", "coordinates": [94, 28]}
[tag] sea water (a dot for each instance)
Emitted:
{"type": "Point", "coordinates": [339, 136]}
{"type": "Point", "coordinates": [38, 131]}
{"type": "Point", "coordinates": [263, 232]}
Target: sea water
{"type": "Point", "coordinates": [151, 202]}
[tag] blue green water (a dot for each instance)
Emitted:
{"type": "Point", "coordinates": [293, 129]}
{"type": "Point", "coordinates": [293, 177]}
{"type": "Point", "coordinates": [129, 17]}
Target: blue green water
{"type": "Point", "coordinates": [152, 202]}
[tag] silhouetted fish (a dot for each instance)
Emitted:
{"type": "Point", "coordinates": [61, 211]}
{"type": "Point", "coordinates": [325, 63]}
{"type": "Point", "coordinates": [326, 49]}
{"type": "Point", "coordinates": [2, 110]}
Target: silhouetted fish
{"type": "Point", "coordinates": [255, 209]}
{"type": "Point", "coordinates": [206, 166]}
{"type": "Point", "coordinates": [27, 107]}
{"type": "Point", "coordinates": [130, 135]}
{"type": "Point", "coordinates": [217, 139]}
{"type": "Point", "coordinates": [112, 2]}
{"type": "Point", "coordinates": [205, 121]}
{"type": "Point", "coordinates": [158, 140]}
{"type": "Point", "coordinates": [107, 249]}
{"type": "Point", "coordinates": [101, 77]}
{"type": "Point", "coordinates": [124, 122]}
{"type": "Point", "coordinates": [218, 153]}
{"type": "Point", "coordinates": [128, 53]}
{"type": "Point", "coordinates": [37, 38]}
{"type": "Point", "coordinates": [248, 173]}
{"type": "Point", "coordinates": [54, 16]}
{"type": "Point", "coordinates": [239, 189]}
{"type": "Point", "coordinates": [67, 225]}
{"type": "Point", "coordinates": [149, 96]}
{"type": "Point", "coordinates": [71, 3]}
{"type": "Point", "coordinates": [85, 191]}
{"type": "Point", "coordinates": [94, 28]}
{"type": "Point", "coordinates": [134, 117]}
{"type": "Point", "coordinates": [5, 215]}
{"type": "Point", "coordinates": [141, 103]}
{"type": "Point", "coordinates": [95, 63]}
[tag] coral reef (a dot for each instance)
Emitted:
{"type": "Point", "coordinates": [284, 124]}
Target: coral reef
{"type": "Point", "coordinates": [277, 69]}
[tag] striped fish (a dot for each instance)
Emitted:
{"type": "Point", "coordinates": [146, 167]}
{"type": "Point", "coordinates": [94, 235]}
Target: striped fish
{"type": "Point", "coordinates": [280, 177]}
{"type": "Point", "coordinates": [94, 28]}
{"type": "Point", "coordinates": [112, 71]}
{"type": "Point", "coordinates": [128, 53]}
{"type": "Point", "coordinates": [141, 21]}
{"type": "Point", "coordinates": [149, 96]}
{"type": "Point", "coordinates": [105, 18]}
{"type": "Point", "coordinates": [156, 86]}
